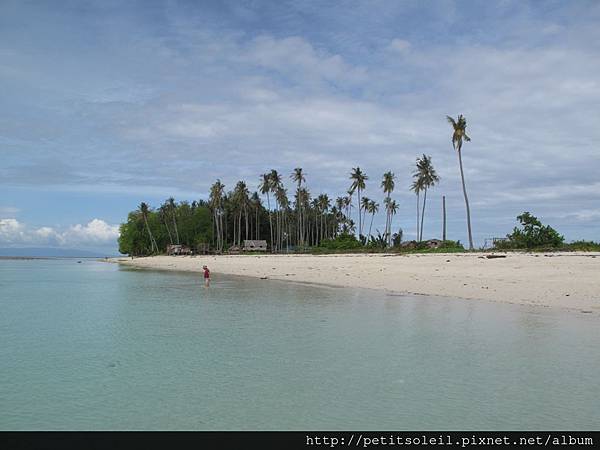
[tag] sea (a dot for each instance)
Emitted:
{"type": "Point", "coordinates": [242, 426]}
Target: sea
{"type": "Point", "coordinates": [90, 345]}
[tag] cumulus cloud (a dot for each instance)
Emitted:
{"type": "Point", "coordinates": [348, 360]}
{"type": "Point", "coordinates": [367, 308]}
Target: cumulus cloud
{"type": "Point", "coordinates": [95, 233]}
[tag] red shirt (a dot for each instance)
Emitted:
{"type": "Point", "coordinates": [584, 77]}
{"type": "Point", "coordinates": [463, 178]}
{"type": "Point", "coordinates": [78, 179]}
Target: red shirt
{"type": "Point", "coordinates": [206, 273]}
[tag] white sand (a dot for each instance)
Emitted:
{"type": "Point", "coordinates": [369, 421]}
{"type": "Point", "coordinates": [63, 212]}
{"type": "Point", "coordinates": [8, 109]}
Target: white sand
{"type": "Point", "coordinates": [563, 280]}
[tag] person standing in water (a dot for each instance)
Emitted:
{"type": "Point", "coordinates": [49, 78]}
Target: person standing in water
{"type": "Point", "coordinates": [206, 276]}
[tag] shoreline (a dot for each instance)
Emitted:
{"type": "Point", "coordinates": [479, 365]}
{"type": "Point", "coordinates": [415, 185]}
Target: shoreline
{"type": "Point", "coordinates": [557, 280]}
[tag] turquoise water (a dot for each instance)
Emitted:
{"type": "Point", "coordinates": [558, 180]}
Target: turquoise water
{"type": "Point", "coordinates": [94, 346]}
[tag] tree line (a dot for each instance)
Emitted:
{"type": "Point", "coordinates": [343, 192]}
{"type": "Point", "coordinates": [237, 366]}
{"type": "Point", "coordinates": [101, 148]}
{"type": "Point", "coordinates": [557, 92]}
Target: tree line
{"type": "Point", "coordinates": [305, 220]}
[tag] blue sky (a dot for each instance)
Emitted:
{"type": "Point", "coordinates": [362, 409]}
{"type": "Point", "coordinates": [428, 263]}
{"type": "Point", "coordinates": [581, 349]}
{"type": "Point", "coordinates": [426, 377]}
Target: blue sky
{"type": "Point", "coordinates": [105, 104]}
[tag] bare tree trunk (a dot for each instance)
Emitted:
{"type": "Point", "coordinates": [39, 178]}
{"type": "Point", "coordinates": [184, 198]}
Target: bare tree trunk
{"type": "Point", "coordinates": [423, 215]}
{"type": "Point", "coordinates": [418, 203]}
{"type": "Point", "coordinates": [152, 241]}
{"type": "Point", "coordinates": [359, 218]}
{"type": "Point", "coordinates": [246, 220]}
{"type": "Point", "coordinates": [444, 217]}
{"type": "Point", "coordinates": [175, 224]}
{"type": "Point", "coordinates": [462, 176]}
{"type": "Point", "coordinates": [168, 230]}
{"type": "Point", "coordinates": [270, 221]}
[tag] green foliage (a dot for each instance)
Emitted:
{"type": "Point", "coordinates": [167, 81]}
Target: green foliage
{"type": "Point", "coordinates": [344, 241]}
{"type": "Point", "coordinates": [377, 242]}
{"type": "Point", "coordinates": [583, 246]}
{"type": "Point", "coordinates": [532, 235]}
{"type": "Point", "coordinates": [194, 225]}
{"type": "Point", "coordinates": [444, 247]}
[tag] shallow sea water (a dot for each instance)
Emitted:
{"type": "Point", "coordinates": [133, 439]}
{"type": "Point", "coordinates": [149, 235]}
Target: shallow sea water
{"type": "Point", "coordinates": [93, 346]}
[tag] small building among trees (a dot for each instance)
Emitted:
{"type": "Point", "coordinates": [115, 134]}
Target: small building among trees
{"type": "Point", "coordinates": [254, 246]}
{"type": "Point", "coordinates": [178, 249]}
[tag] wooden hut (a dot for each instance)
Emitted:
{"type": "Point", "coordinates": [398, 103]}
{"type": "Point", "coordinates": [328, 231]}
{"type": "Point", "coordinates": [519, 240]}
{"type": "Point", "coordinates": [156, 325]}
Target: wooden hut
{"type": "Point", "coordinates": [254, 246]}
{"type": "Point", "coordinates": [178, 249]}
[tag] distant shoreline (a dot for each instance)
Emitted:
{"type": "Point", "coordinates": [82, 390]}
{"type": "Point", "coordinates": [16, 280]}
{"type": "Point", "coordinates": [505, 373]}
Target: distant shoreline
{"type": "Point", "coordinates": [558, 280]}
{"type": "Point", "coordinates": [54, 257]}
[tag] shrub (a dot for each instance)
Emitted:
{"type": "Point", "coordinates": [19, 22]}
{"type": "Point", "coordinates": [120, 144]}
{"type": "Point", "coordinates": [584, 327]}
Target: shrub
{"type": "Point", "coordinates": [532, 235]}
{"type": "Point", "coordinates": [583, 246]}
{"type": "Point", "coordinates": [344, 241]}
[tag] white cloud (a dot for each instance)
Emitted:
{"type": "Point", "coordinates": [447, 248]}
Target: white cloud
{"type": "Point", "coordinates": [297, 58]}
{"type": "Point", "coordinates": [11, 231]}
{"type": "Point", "coordinates": [95, 233]}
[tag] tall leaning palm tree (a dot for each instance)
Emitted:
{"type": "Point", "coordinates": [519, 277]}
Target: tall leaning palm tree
{"type": "Point", "coordinates": [358, 178]}
{"type": "Point", "coordinates": [216, 203]}
{"type": "Point", "coordinates": [144, 211]}
{"type": "Point", "coordinates": [459, 134]}
{"type": "Point", "coordinates": [283, 203]}
{"type": "Point", "coordinates": [173, 209]}
{"type": "Point", "coordinates": [393, 209]}
{"type": "Point", "coordinates": [365, 201]}
{"type": "Point", "coordinates": [417, 187]}
{"type": "Point", "coordinates": [372, 208]}
{"type": "Point", "coordinates": [387, 184]}
{"type": "Point", "coordinates": [276, 184]}
{"type": "Point", "coordinates": [428, 177]}
{"type": "Point", "coordinates": [298, 176]}
{"type": "Point", "coordinates": [265, 188]}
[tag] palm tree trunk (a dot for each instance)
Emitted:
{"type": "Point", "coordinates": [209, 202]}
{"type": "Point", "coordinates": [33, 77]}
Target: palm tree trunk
{"type": "Point", "coordinates": [270, 221]}
{"type": "Point", "coordinates": [359, 222]}
{"type": "Point", "coordinates": [371, 226]}
{"type": "Point", "coordinates": [246, 220]}
{"type": "Point", "coordinates": [168, 230]}
{"type": "Point", "coordinates": [152, 241]}
{"type": "Point", "coordinates": [462, 176]}
{"type": "Point", "coordinates": [387, 225]}
{"type": "Point", "coordinates": [175, 225]}
{"type": "Point", "coordinates": [444, 217]}
{"type": "Point", "coordinates": [222, 232]}
{"type": "Point", "coordinates": [423, 215]}
{"type": "Point", "coordinates": [418, 203]}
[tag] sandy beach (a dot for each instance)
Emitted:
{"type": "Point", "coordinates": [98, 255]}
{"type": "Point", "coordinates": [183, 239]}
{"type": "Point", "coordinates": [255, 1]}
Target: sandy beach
{"type": "Point", "coordinates": [560, 280]}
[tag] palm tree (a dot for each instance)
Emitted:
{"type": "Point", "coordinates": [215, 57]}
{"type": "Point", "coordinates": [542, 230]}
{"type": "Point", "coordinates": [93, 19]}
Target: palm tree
{"type": "Point", "coordinates": [372, 208]}
{"type": "Point", "coordinates": [460, 128]}
{"type": "Point", "coordinates": [417, 187]}
{"type": "Point", "coordinates": [324, 204]}
{"type": "Point", "coordinates": [242, 201]}
{"type": "Point", "coordinates": [173, 209]}
{"type": "Point", "coordinates": [365, 205]}
{"type": "Point", "coordinates": [265, 188]}
{"type": "Point", "coordinates": [275, 185]}
{"type": "Point", "coordinates": [358, 178]}
{"type": "Point", "coordinates": [428, 178]}
{"type": "Point", "coordinates": [388, 184]}
{"type": "Point", "coordinates": [216, 203]}
{"type": "Point", "coordinates": [340, 204]}
{"type": "Point", "coordinates": [144, 211]}
{"type": "Point", "coordinates": [283, 203]}
{"type": "Point", "coordinates": [393, 209]}
{"type": "Point", "coordinates": [256, 206]}
{"type": "Point", "coordinates": [163, 213]}
{"type": "Point", "coordinates": [298, 176]}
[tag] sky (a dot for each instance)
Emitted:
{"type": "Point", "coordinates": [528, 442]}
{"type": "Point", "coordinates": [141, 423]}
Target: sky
{"type": "Point", "coordinates": [106, 104]}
